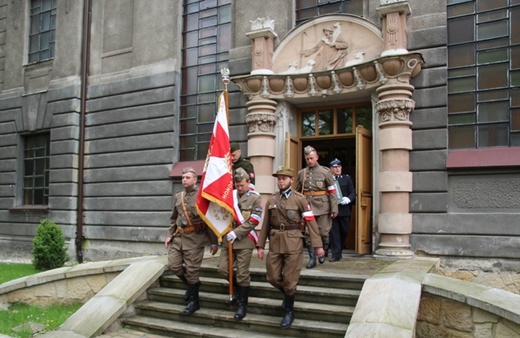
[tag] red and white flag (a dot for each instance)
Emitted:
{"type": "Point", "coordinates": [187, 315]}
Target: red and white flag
{"type": "Point", "coordinates": [215, 198]}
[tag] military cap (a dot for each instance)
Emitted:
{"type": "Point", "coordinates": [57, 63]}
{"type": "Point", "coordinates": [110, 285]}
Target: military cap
{"type": "Point", "coordinates": [335, 162]}
{"type": "Point", "coordinates": [234, 147]}
{"type": "Point", "coordinates": [189, 170]}
{"type": "Point", "coordinates": [240, 175]}
{"type": "Point", "coordinates": [284, 171]}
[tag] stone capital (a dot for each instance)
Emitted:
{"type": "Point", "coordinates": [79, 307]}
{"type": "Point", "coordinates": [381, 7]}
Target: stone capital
{"type": "Point", "coordinates": [395, 110]}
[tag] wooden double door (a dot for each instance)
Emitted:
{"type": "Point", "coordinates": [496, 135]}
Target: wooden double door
{"type": "Point", "coordinates": [355, 154]}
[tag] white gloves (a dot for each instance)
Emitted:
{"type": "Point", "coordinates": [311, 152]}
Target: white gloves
{"type": "Point", "coordinates": [344, 200]}
{"type": "Point", "coordinates": [231, 236]}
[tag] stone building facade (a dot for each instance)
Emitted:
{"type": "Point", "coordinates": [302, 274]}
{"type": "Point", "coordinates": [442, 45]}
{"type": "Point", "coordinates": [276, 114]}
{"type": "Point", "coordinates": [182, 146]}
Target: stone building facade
{"type": "Point", "coordinates": [119, 97]}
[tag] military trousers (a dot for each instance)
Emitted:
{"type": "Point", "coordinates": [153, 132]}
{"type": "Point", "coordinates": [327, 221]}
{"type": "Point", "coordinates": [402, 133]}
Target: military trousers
{"type": "Point", "coordinates": [324, 225]}
{"type": "Point", "coordinates": [242, 258]}
{"type": "Point", "coordinates": [283, 271]}
{"type": "Point", "coordinates": [186, 262]}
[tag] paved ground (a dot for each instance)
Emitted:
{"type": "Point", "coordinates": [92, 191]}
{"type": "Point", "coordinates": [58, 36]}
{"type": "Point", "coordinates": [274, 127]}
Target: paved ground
{"type": "Point", "coordinates": [350, 264]}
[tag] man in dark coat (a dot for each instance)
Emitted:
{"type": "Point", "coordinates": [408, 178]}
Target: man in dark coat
{"type": "Point", "coordinates": [240, 162]}
{"type": "Point", "coordinates": [346, 197]}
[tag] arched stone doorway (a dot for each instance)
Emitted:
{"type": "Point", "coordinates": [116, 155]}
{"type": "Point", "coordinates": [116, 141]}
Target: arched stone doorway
{"type": "Point", "coordinates": [337, 60]}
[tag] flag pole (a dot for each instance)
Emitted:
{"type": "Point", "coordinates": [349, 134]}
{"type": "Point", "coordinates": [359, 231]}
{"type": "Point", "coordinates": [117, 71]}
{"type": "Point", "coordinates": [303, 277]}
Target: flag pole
{"type": "Point", "coordinates": [225, 81]}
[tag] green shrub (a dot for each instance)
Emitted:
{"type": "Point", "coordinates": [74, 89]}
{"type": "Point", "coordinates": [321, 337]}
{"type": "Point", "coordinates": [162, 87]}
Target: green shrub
{"type": "Point", "coordinates": [49, 250]}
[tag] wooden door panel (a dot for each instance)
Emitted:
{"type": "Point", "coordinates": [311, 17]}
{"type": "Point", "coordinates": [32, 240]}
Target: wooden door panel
{"type": "Point", "coordinates": [363, 190]}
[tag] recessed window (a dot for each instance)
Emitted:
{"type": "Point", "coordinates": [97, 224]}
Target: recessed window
{"type": "Point", "coordinates": [206, 44]}
{"type": "Point", "coordinates": [308, 9]}
{"type": "Point", "coordinates": [36, 169]}
{"type": "Point", "coordinates": [42, 36]}
{"type": "Point", "coordinates": [483, 73]}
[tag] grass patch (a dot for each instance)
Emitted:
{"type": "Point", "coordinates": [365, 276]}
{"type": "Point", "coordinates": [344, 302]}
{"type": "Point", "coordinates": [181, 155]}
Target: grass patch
{"type": "Point", "coordinates": [10, 271]}
{"type": "Point", "coordinates": [50, 317]}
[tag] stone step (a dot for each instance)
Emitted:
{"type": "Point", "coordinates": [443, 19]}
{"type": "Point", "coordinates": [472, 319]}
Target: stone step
{"type": "Point", "coordinates": [307, 278]}
{"type": "Point", "coordinates": [326, 295]}
{"type": "Point", "coordinates": [208, 320]}
{"type": "Point", "coordinates": [303, 308]}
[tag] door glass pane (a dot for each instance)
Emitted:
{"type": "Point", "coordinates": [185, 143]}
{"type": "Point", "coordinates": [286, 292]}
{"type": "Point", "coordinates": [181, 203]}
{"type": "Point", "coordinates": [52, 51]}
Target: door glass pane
{"type": "Point", "coordinates": [515, 119]}
{"type": "Point", "coordinates": [489, 56]}
{"type": "Point", "coordinates": [308, 124]}
{"type": "Point", "coordinates": [492, 30]}
{"type": "Point", "coordinates": [344, 121]}
{"type": "Point", "coordinates": [325, 123]}
{"type": "Point", "coordinates": [364, 117]}
{"type": "Point", "coordinates": [461, 85]}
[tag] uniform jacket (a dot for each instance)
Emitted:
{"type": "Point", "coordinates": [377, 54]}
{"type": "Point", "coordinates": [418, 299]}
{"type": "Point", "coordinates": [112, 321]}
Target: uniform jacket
{"type": "Point", "coordinates": [250, 203]}
{"type": "Point", "coordinates": [347, 189]}
{"type": "Point", "coordinates": [247, 166]}
{"type": "Point", "coordinates": [292, 210]}
{"type": "Point", "coordinates": [193, 239]}
{"type": "Point", "coordinates": [318, 178]}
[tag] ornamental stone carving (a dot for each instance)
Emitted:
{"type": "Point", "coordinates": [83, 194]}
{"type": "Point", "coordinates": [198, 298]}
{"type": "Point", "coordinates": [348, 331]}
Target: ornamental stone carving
{"type": "Point", "coordinates": [395, 110]}
{"type": "Point", "coordinates": [261, 122]}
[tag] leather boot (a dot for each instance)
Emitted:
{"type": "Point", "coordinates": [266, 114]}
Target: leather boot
{"type": "Point", "coordinates": [288, 318]}
{"type": "Point", "coordinates": [185, 281]}
{"type": "Point", "coordinates": [234, 297]}
{"type": "Point", "coordinates": [312, 258]}
{"type": "Point", "coordinates": [243, 295]}
{"type": "Point", "coordinates": [326, 249]}
{"type": "Point", "coordinates": [193, 305]}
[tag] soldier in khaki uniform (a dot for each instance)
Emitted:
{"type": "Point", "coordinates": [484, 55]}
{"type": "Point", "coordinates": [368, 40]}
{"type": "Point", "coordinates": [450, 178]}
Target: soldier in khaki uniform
{"type": "Point", "coordinates": [243, 238]}
{"type": "Point", "coordinates": [317, 184]}
{"type": "Point", "coordinates": [240, 162]}
{"type": "Point", "coordinates": [286, 213]}
{"type": "Point", "coordinates": [186, 239]}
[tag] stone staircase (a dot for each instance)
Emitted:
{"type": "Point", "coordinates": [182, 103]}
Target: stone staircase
{"type": "Point", "coordinates": [324, 305]}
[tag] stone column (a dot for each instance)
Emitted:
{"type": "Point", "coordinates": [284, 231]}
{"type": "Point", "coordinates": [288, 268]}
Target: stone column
{"type": "Point", "coordinates": [395, 140]}
{"type": "Point", "coordinates": [261, 119]}
{"type": "Point", "coordinates": [261, 145]}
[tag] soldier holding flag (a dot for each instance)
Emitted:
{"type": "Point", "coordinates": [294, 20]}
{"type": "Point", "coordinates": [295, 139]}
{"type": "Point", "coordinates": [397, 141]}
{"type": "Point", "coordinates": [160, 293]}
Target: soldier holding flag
{"type": "Point", "coordinates": [243, 237]}
{"type": "Point", "coordinates": [187, 237]}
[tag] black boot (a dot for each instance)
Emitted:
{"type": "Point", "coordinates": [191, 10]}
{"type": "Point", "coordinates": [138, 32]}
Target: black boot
{"type": "Point", "coordinates": [234, 297]}
{"type": "Point", "coordinates": [312, 258]}
{"type": "Point", "coordinates": [185, 281]}
{"type": "Point", "coordinates": [288, 318]}
{"type": "Point", "coordinates": [326, 249]}
{"type": "Point", "coordinates": [193, 305]}
{"type": "Point", "coordinates": [242, 302]}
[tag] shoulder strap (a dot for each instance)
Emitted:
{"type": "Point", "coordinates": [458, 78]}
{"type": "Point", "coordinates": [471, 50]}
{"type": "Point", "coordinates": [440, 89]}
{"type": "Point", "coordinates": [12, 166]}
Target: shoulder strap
{"type": "Point", "coordinates": [303, 180]}
{"type": "Point", "coordinates": [184, 209]}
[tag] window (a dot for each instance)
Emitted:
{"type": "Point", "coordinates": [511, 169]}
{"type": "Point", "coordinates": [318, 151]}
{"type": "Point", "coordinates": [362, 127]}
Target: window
{"type": "Point", "coordinates": [336, 121]}
{"type": "Point", "coordinates": [308, 9]}
{"type": "Point", "coordinates": [43, 30]}
{"type": "Point", "coordinates": [206, 44]}
{"type": "Point", "coordinates": [36, 170]}
{"type": "Point", "coordinates": [483, 74]}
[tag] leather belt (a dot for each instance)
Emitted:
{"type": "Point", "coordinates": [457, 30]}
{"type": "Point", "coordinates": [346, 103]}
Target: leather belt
{"type": "Point", "coordinates": [190, 228]}
{"type": "Point", "coordinates": [315, 193]}
{"type": "Point", "coordinates": [284, 227]}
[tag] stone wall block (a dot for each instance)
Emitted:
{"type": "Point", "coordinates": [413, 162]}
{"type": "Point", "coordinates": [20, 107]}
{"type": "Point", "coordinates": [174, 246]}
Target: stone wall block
{"type": "Point", "coordinates": [457, 316]}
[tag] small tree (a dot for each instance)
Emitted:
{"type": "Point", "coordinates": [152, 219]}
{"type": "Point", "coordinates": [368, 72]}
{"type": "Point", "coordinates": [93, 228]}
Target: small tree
{"type": "Point", "coordinates": [49, 250]}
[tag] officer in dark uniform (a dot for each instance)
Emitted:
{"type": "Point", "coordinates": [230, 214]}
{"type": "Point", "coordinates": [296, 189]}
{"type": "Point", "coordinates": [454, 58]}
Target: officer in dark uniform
{"type": "Point", "coordinates": [240, 162]}
{"type": "Point", "coordinates": [286, 214]}
{"type": "Point", "coordinates": [186, 239]}
{"type": "Point", "coordinates": [340, 224]}
{"type": "Point", "coordinates": [317, 184]}
{"type": "Point", "coordinates": [244, 239]}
